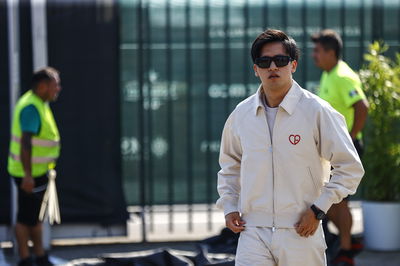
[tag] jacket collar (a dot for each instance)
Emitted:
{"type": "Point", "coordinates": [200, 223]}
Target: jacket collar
{"type": "Point", "coordinates": [288, 103]}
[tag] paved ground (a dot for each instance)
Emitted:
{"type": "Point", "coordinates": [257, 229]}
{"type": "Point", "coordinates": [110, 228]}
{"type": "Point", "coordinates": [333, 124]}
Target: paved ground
{"type": "Point", "coordinates": [62, 254]}
{"type": "Point", "coordinates": [67, 250]}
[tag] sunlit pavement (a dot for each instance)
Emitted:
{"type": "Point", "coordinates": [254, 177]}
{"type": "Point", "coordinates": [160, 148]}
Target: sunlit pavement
{"type": "Point", "coordinates": [180, 238]}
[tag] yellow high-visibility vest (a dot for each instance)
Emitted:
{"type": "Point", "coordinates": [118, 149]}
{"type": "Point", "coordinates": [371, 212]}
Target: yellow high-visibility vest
{"type": "Point", "coordinates": [45, 145]}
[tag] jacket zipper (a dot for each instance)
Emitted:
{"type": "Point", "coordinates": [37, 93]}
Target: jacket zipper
{"type": "Point", "coordinates": [273, 170]}
{"type": "Point", "coordinates": [273, 182]}
{"type": "Point", "coordinates": [273, 175]}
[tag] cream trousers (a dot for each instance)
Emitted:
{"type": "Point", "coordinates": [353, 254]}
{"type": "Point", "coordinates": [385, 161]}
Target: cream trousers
{"type": "Point", "coordinates": [260, 246]}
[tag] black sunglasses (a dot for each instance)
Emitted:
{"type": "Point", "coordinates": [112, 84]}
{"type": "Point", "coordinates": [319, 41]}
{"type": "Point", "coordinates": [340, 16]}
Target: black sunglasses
{"type": "Point", "coordinates": [279, 60]}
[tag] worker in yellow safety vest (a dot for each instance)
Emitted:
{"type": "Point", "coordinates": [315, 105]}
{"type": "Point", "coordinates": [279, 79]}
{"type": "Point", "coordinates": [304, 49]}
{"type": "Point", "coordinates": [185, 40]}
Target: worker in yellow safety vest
{"type": "Point", "coordinates": [34, 149]}
{"type": "Point", "coordinates": [341, 87]}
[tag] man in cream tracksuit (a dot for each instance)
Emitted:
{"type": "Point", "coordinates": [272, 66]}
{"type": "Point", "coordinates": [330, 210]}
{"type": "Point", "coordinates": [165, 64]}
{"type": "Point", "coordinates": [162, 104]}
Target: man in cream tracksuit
{"type": "Point", "coordinates": [277, 150]}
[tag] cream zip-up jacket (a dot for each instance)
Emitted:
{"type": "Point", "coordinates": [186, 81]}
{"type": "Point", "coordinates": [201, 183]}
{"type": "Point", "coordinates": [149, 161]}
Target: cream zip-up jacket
{"type": "Point", "coordinates": [272, 183]}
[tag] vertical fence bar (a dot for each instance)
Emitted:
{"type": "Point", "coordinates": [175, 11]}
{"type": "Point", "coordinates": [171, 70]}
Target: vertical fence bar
{"type": "Point", "coordinates": [149, 138]}
{"type": "Point", "coordinates": [284, 14]}
{"type": "Point", "coordinates": [39, 35]}
{"type": "Point", "coordinates": [189, 131]}
{"type": "Point", "coordinates": [374, 20]}
{"type": "Point", "coordinates": [382, 21]}
{"type": "Point", "coordinates": [13, 52]}
{"type": "Point", "coordinates": [169, 66]}
{"type": "Point", "coordinates": [227, 59]}
{"type": "Point", "coordinates": [305, 40]}
{"type": "Point", "coordinates": [343, 26]}
{"type": "Point", "coordinates": [323, 14]}
{"type": "Point", "coordinates": [265, 14]}
{"type": "Point", "coordinates": [245, 49]}
{"type": "Point", "coordinates": [208, 109]}
{"type": "Point", "coordinates": [142, 170]}
{"type": "Point", "coordinates": [377, 20]}
{"type": "Point", "coordinates": [14, 90]}
{"type": "Point", "coordinates": [362, 33]}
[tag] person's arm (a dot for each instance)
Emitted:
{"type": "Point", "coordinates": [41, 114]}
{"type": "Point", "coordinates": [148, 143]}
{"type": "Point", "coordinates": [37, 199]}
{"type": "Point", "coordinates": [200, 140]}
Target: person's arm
{"type": "Point", "coordinates": [360, 116]}
{"type": "Point", "coordinates": [229, 176]}
{"type": "Point", "coordinates": [26, 159]}
{"type": "Point", "coordinates": [30, 126]}
{"type": "Point", "coordinates": [354, 97]}
{"type": "Point", "coordinates": [336, 146]}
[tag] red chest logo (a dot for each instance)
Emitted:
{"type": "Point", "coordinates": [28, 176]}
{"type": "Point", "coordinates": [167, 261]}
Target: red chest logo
{"type": "Point", "coordinates": [294, 139]}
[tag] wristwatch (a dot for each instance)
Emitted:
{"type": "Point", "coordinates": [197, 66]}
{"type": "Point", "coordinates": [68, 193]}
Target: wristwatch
{"type": "Point", "coordinates": [319, 214]}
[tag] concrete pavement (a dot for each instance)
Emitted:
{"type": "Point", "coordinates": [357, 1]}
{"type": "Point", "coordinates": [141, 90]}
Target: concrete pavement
{"type": "Point", "coordinates": [64, 250]}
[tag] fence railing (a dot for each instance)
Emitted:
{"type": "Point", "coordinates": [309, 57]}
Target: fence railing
{"type": "Point", "coordinates": [186, 64]}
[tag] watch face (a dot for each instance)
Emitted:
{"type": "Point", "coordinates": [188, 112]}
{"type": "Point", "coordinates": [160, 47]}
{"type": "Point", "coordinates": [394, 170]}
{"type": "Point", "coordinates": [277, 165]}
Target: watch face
{"type": "Point", "coordinates": [320, 216]}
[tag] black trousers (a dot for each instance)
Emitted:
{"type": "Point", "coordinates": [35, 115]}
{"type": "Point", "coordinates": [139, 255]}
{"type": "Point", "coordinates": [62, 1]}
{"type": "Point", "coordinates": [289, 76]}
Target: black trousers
{"type": "Point", "coordinates": [29, 203]}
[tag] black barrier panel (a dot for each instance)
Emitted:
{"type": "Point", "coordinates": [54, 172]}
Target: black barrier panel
{"type": "Point", "coordinates": [25, 72]}
{"type": "Point", "coordinates": [4, 117]}
{"type": "Point", "coordinates": [83, 45]}
{"type": "Point", "coordinates": [25, 45]}
{"type": "Point", "coordinates": [186, 64]}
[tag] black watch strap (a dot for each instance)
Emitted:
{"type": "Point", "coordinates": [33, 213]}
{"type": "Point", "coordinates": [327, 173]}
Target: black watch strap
{"type": "Point", "coordinates": [319, 214]}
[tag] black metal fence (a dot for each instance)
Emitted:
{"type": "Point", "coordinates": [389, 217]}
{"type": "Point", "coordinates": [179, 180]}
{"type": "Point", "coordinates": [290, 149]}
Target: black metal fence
{"type": "Point", "coordinates": [186, 64]}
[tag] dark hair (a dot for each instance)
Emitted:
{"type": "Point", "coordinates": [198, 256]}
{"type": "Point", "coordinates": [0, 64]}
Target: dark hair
{"type": "Point", "coordinates": [329, 40]}
{"type": "Point", "coordinates": [271, 36]}
{"type": "Point", "coordinates": [44, 74]}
